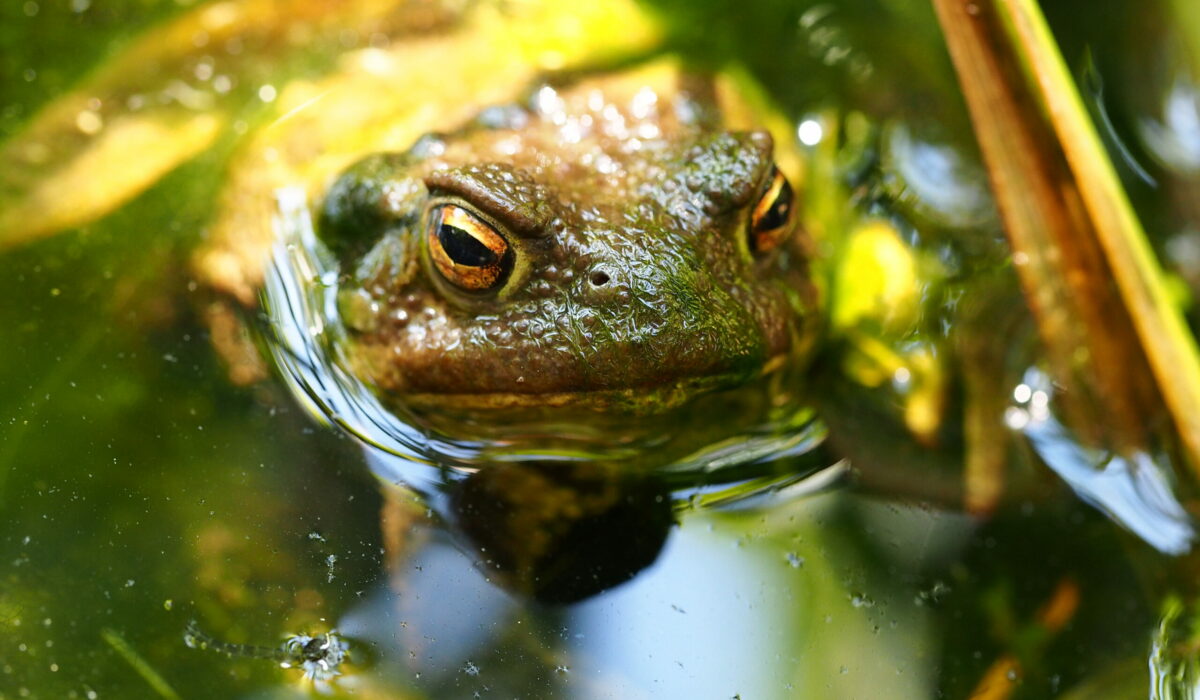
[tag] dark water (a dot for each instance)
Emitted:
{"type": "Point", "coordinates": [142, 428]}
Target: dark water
{"type": "Point", "coordinates": [141, 489]}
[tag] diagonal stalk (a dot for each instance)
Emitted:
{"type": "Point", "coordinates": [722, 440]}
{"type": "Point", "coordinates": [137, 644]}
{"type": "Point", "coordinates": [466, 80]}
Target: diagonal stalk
{"type": "Point", "coordinates": [1112, 336]}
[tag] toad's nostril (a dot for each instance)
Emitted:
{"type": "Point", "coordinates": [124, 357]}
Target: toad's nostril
{"type": "Point", "coordinates": [599, 278]}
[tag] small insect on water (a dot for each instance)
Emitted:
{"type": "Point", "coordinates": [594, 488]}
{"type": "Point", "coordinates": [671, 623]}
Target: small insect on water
{"type": "Point", "coordinates": [320, 657]}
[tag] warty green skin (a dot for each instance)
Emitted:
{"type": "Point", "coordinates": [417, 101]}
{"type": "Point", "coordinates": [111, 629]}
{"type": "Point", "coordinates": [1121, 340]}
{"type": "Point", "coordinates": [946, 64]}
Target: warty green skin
{"type": "Point", "coordinates": [633, 285]}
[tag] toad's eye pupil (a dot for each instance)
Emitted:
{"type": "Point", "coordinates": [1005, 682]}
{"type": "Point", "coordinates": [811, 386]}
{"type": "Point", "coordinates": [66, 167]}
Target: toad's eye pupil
{"type": "Point", "coordinates": [777, 214]}
{"type": "Point", "coordinates": [466, 250]}
{"type": "Point", "coordinates": [463, 248]}
{"type": "Point", "coordinates": [771, 218]}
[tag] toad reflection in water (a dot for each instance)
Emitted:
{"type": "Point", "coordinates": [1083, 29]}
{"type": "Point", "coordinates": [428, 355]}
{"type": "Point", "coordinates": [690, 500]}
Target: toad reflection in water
{"type": "Point", "coordinates": [551, 318]}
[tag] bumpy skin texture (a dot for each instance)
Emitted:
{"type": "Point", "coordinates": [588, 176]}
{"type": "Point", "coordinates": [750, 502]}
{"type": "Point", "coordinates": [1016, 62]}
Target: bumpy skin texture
{"type": "Point", "coordinates": [632, 283]}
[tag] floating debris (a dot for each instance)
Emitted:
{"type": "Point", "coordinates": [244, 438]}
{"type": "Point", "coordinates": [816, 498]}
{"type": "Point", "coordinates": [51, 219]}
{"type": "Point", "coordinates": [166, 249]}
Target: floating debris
{"type": "Point", "coordinates": [320, 656]}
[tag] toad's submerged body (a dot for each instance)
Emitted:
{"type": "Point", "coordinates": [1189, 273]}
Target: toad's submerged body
{"type": "Point", "coordinates": [612, 245]}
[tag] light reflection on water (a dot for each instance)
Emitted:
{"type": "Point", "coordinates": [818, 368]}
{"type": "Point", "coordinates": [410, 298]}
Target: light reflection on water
{"type": "Point", "coordinates": [1174, 136]}
{"type": "Point", "coordinates": [1134, 491]}
{"type": "Point", "coordinates": [720, 613]}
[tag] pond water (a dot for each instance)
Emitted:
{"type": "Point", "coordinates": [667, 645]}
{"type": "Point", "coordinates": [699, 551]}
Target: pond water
{"type": "Point", "coordinates": [150, 497]}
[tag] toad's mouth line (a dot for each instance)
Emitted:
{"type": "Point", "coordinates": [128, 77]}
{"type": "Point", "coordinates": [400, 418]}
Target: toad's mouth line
{"type": "Point", "coordinates": [668, 395]}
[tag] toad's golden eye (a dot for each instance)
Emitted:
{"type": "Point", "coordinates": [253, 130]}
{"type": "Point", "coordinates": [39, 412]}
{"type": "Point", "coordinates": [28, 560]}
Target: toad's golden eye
{"type": "Point", "coordinates": [771, 219]}
{"type": "Point", "coordinates": [466, 250]}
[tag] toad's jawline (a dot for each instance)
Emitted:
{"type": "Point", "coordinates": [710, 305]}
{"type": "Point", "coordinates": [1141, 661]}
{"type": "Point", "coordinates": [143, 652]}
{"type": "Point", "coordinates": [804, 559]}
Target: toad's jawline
{"type": "Point", "coordinates": [664, 397]}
